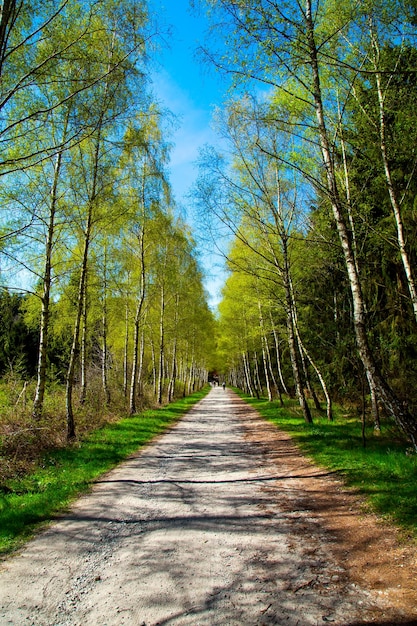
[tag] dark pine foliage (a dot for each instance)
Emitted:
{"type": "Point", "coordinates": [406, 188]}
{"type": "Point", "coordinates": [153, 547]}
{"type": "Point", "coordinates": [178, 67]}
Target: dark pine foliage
{"type": "Point", "coordinates": [18, 343]}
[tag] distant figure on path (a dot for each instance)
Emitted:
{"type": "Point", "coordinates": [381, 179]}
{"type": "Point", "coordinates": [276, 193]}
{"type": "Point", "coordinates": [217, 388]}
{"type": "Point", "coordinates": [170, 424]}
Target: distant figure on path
{"type": "Point", "coordinates": [224, 386]}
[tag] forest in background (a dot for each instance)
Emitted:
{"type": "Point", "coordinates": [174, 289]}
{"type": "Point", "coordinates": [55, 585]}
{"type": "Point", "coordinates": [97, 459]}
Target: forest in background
{"type": "Point", "coordinates": [102, 301]}
{"type": "Point", "coordinates": [315, 185]}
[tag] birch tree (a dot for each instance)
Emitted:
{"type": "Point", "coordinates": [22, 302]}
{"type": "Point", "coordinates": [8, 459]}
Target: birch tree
{"type": "Point", "coordinates": [254, 195]}
{"type": "Point", "coordinates": [95, 164]}
{"type": "Point", "coordinates": [291, 47]}
{"type": "Point", "coordinates": [143, 163]}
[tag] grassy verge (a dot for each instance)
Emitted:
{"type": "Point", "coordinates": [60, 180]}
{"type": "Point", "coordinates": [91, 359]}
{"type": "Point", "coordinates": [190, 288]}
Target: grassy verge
{"type": "Point", "coordinates": [381, 471]}
{"type": "Point", "coordinates": [66, 473]}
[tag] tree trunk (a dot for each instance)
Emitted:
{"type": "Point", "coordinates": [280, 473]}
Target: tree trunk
{"type": "Point", "coordinates": [184, 361]}
{"type": "Point", "coordinates": [248, 381]}
{"type": "Point", "coordinates": [82, 291]}
{"type": "Point", "coordinates": [296, 371]}
{"type": "Point", "coordinates": [291, 335]}
{"type": "Point", "coordinates": [391, 403]}
{"type": "Point", "coordinates": [171, 386]}
{"type": "Point", "coordinates": [135, 359]}
{"type": "Point", "coordinates": [347, 190]}
{"type": "Point", "coordinates": [305, 352]}
{"type": "Point", "coordinates": [76, 332]}
{"type": "Point", "coordinates": [319, 375]}
{"type": "Point", "coordinates": [258, 385]}
{"type": "Point", "coordinates": [83, 351]}
{"type": "Point", "coordinates": [104, 348]}
{"type": "Point", "coordinates": [126, 351]}
{"type": "Point", "coordinates": [265, 351]}
{"type": "Point", "coordinates": [310, 389]}
{"type": "Point", "coordinates": [278, 355]}
{"type": "Point", "coordinates": [271, 372]}
{"type": "Point", "coordinates": [8, 14]}
{"type": "Point", "coordinates": [46, 297]}
{"type": "Point", "coordinates": [154, 379]}
{"type": "Point", "coordinates": [161, 356]}
{"type": "Point", "coordinates": [374, 407]}
{"type": "Point", "coordinates": [191, 379]}
{"type": "Point", "coordinates": [266, 369]}
{"type": "Point", "coordinates": [137, 321]}
{"type": "Point", "coordinates": [141, 360]}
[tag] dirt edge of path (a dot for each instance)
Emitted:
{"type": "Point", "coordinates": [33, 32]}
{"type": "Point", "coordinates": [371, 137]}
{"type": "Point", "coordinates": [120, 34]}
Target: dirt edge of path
{"type": "Point", "coordinates": [375, 553]}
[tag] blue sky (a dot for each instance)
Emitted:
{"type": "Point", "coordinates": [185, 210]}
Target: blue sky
{"type": "Point", "coordinates": [190, 91]}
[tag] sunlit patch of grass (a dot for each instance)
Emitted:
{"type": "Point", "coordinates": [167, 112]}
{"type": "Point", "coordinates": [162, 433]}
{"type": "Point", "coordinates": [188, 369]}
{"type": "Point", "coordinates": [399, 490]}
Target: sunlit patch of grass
{"type": "Point", "coordinates": [66, 473]}
{"type": "Point", "coordinates": [380, 470]}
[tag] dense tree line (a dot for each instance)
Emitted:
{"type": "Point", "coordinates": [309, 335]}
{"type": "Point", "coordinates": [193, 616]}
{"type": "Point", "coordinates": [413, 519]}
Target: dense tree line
{"type": "Point", "coordinates": [316, 186]}
{"type": "Point", "coordinates": [99, 277]}
{"type": "Point", "coordinates": [101, 288]}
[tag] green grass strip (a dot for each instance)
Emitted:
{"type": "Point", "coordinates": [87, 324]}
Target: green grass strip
{"type": "Point", "coordinates": [381, 471]}
{"type": "Point", "coordinates": [67, 473]}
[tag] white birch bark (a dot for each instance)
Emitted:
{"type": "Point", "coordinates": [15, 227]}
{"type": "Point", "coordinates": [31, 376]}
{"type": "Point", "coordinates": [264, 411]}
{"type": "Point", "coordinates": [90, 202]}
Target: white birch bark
{"type": "Point", "coordinates": [393, 406]}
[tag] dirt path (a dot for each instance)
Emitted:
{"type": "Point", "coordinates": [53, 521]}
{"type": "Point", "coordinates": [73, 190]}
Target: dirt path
{"type": "Point", "coordinates": [220, 522]}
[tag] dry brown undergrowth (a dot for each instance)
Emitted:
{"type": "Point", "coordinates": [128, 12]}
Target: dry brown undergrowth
{"type": "Point", "coordinates": [25, 441]}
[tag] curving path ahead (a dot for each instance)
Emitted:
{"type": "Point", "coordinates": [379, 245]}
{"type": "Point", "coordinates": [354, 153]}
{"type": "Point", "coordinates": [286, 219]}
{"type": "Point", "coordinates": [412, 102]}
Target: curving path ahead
{"type": "Point", "coordinates": [203, 527]}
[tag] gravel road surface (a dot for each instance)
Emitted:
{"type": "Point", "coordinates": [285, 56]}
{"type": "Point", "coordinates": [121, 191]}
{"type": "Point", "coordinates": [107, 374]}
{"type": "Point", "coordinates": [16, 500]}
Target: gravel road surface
{"type": "Point", "coordinates": [201, 527]}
